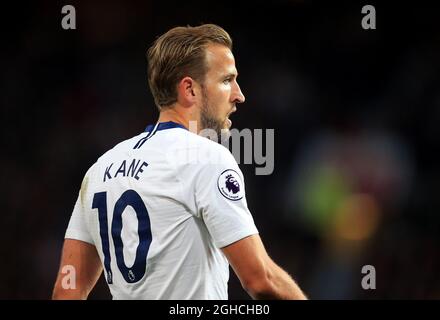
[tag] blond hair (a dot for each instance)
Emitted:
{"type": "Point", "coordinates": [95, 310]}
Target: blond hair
{"type": "Point", "coordinates": [178, 53]}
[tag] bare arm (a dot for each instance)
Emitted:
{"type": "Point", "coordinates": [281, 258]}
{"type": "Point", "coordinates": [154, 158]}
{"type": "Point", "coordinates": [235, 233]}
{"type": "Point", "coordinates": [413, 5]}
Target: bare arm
{"type": "Point", "coordinates": [80, 264]}
{"type": "Point", "coordinates": [258, 274]}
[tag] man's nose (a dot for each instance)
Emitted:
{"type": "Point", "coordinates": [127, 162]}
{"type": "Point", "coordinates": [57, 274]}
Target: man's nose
{"type": "Point", "coordinates": [238, 96]}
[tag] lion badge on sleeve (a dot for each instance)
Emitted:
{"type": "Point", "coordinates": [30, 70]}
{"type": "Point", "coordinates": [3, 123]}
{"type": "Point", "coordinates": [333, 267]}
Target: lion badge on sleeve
{"type": "Point", "coordinates": [230, 185]}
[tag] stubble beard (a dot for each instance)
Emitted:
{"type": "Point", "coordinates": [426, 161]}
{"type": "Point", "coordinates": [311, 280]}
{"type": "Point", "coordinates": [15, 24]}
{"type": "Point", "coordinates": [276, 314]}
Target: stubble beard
{"type": "Point", "coordinates": [208, 120]}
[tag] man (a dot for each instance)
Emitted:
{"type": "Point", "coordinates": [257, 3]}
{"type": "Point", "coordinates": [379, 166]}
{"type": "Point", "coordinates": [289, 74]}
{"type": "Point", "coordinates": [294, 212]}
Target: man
{"type": "Point", "coordinates": [164, 213]}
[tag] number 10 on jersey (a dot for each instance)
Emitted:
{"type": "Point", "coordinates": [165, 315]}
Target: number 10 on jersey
{"type": "Point", "coordinates": [129, 198]}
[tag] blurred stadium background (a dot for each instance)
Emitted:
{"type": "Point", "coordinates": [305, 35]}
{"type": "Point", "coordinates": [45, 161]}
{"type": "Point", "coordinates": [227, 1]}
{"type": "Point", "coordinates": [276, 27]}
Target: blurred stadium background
{"type": "Point", "coordinates": [356, 116]}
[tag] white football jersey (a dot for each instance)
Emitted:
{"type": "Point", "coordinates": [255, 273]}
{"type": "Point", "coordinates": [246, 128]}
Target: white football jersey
{"type": "Point", "coordinates": [158, 207]}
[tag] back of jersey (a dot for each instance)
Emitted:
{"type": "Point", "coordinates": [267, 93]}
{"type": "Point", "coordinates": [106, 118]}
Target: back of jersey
{"type": "Point", "coordinates": [143, 204]}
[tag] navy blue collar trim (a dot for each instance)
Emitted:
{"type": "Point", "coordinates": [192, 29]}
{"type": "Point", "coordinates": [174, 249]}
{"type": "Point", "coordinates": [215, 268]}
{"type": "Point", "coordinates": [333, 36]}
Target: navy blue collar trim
{"type": "Point", "coordinates": [164, 126]}
{"type": "Point", "coordinates": [152, 129]}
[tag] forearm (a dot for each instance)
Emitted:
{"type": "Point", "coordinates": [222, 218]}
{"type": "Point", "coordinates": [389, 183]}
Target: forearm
{"type": "Point", "coordinates": [60, 293]}
{"type": "Point", "coordinates": [286, 287]}
{"type": "Point", "coordinates": [277, 284]}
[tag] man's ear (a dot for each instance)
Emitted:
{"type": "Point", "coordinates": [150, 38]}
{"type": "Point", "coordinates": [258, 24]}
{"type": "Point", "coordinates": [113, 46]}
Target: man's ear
{"type": "Point", "coordinates": [187, 92]}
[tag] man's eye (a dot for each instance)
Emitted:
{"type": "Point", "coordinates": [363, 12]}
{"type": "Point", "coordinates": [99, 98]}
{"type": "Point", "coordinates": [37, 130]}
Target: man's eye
{"type": "Point", "coordinates": [226, 81]}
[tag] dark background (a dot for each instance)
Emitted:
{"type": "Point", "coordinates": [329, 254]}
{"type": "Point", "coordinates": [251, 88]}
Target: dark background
{"type": "Point", "coordinates": [355, 114]}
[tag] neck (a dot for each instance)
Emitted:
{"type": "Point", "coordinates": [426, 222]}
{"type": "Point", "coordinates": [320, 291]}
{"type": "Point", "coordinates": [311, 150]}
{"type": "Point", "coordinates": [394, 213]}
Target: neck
{"type": "Point", "coordinates": [176, 115]}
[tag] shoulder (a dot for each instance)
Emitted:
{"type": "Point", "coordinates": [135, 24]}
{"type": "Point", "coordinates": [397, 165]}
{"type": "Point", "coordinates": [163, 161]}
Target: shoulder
{"type": "Point", "coordinates": [193, 149]}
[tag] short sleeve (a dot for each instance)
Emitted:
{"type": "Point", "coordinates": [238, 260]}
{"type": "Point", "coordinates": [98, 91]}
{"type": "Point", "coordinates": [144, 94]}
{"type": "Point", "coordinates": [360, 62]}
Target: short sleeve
{"type": "Point", "coordinates": [77, 228]}
{"type": "Point", "coordinates": [221, 200]}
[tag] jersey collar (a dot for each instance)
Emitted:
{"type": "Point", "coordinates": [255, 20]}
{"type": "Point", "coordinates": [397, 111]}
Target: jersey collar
{"type": "Point", "coordinates": [164, 126]}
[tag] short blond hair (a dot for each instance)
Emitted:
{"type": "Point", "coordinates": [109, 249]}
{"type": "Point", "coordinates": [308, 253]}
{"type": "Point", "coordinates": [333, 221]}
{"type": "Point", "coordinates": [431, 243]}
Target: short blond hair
{"type": "Point", "coordinates": [178, 53]}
